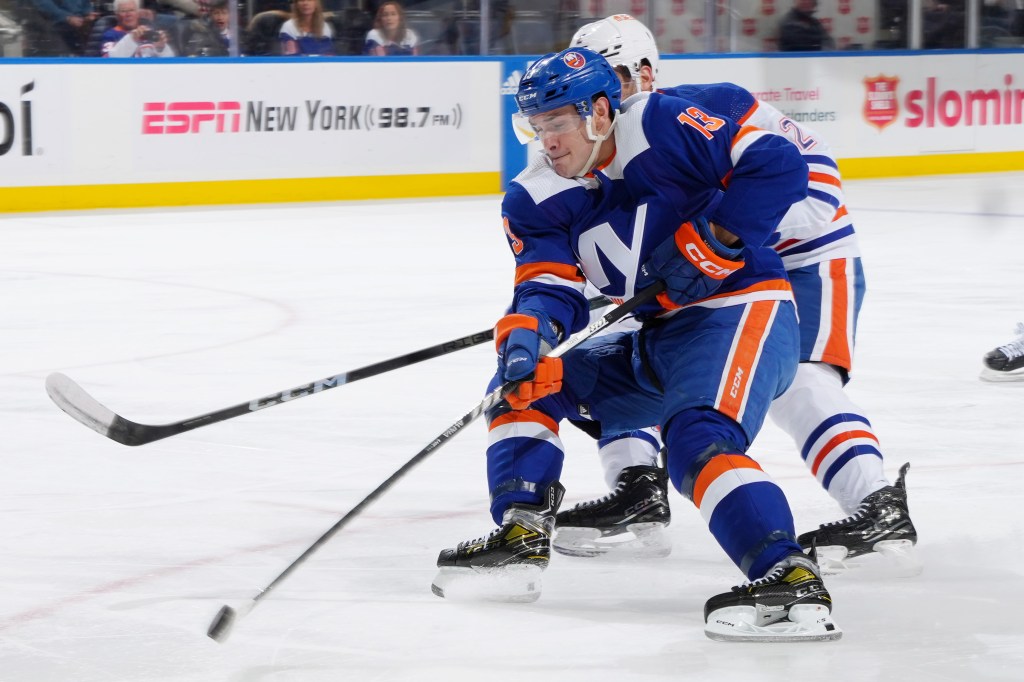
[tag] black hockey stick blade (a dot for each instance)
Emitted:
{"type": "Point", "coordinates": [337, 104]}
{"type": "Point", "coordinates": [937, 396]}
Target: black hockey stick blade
{"type": "Point", "coordinates": [74, 400]}
{"type": "Point", "coordinates": [225, 618]}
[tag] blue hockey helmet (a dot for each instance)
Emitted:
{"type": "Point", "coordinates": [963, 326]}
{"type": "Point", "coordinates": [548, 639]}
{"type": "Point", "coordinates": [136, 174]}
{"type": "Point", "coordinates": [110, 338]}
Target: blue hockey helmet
{"type": "Point", "coordinates": [573, 76]}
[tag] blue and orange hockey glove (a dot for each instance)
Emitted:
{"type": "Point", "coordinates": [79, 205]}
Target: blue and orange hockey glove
{"type": "Point", "coordinates": [693, 263]}
{"type": "Point", "coordinates": [522, 340]}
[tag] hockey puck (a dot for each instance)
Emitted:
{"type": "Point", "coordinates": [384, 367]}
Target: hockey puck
{"type": "Point", "coordinates": [221, 625]}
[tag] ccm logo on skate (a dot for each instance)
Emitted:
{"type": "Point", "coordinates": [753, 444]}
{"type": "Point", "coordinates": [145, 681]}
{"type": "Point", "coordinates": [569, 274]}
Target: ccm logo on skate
{"type": "Point", "coordinates": [708, 267]}
{"type": "Point", "coordinates": [178, 118]}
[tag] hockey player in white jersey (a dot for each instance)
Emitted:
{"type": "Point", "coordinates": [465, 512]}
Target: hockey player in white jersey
{"type": "Point", "coordinates": [817, 243]}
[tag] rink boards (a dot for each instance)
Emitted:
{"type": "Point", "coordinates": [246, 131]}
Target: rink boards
{"type": "Point", "coordinates": [80, 134]}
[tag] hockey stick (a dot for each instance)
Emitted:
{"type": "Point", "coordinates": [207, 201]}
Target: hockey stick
{"type": "Point", "coordinates": [220, 626]}
{"type": "Point", "coordinates": [74, 399]}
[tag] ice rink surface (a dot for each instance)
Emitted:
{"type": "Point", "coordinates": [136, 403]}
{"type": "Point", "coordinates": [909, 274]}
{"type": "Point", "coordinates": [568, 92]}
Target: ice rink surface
{"type": "Point", "coordinates": [115, 559]}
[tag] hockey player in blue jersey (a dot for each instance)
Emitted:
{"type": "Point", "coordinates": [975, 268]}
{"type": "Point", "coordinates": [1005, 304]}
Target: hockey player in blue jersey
{"type": "Point", "coordinates": [817, 243]}
{"type": "Point", "coordinates": [661, 190]}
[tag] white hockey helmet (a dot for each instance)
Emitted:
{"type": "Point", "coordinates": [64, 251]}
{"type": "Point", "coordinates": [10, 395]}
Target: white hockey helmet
{"type": "Point", "coordinates": [622, 40]}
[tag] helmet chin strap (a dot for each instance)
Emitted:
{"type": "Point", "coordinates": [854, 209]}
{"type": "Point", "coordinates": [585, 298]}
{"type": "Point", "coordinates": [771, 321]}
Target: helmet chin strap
{"type": "Point", "coordinates": [598, 139]}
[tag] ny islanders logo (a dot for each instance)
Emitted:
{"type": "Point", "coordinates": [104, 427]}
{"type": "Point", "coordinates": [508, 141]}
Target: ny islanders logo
{"type": "Point", "coordinates": [881, 106]}
{"type": "Point", "coordinates": [574, 60]}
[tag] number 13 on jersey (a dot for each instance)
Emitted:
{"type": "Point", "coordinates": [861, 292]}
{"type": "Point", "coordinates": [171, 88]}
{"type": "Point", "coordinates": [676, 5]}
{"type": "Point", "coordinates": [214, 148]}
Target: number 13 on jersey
{"type": "Point", "coordinates": [696, 118]}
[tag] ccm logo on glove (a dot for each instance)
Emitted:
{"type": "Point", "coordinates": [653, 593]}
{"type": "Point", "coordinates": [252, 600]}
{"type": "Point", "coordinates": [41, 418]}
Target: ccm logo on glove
{"type": "Point", "coordinates": [689, 243]}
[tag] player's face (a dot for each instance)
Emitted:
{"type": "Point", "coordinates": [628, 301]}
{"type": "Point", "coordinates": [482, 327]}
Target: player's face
{"type": "Point", "coordinates": [630, 85]}
{"type": "Point", "coordinates": [564, 136]}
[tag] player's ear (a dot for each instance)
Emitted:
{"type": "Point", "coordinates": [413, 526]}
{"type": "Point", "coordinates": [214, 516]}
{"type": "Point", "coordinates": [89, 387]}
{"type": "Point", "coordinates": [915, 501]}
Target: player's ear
{"type": "Point", "coordinates": [646, 78]}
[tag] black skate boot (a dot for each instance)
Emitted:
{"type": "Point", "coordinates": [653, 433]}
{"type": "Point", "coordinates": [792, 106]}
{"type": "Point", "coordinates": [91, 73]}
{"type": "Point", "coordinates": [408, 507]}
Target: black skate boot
{"type": "Point", "coordinates": [881, 524]}
{"type": "Point", "coordinates": [789, 604]}
{"type": "Point", "coordinates": [504, 565]}
{"type": "Point", "coordinates": [629, 522]}
{"type": "Point", "coordinates": [1006, 363]}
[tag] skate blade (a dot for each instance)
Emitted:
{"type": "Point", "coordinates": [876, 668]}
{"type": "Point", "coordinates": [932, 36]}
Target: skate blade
{"type": "Point", "coordinates": [512, 584]}
{"type": "Point", "coordinates": [806, 623]}
{"type": "Point", "coordinates": [899, 559]}
{"type": "Point", "coordinates": [641, 541]}
{"type": "Point", "coordinates": [992, 375]}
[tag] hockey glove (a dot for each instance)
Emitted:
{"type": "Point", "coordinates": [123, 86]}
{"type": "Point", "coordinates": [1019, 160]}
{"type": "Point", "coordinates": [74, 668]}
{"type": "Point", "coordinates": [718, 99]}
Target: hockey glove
{"type": "Point", "coordinates": [692, 263]}
{"type": "Point", "coordinates": [522, 340]}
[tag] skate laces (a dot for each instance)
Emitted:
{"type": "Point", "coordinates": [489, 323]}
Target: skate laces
{"type": "Point", "coordinates": [777, 572]}
{"type": "Point", "coordinates": [862, 512]}
{"type": "Point", "coordinates": [1015, 348]}
{"type": "Point", "coordinates": [483, 539]}
{"type": "Point", "coordinates": [619, 487]}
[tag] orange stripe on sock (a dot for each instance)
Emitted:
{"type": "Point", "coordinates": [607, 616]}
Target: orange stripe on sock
{"type": "Point", "coordinates": [534, 416]}
{"type": "Point", "coordinates": [835, 442]}
{"type": "Point", "coordinates": [837, 348]}
{"type": "Point", "coordinates": [718, 465]}
{"type": "Point", "coordinates": [737, 379]}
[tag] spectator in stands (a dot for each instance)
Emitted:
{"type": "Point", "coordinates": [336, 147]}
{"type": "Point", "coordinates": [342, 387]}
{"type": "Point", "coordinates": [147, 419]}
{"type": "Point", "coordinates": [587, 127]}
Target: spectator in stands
{"type": "Point", "coordinates": [389, 35]}
{"type": "Point", "coordinates": [131, 38]}
{"type": "Point", "coordinates": [128, 19]}
{"type": "Point", "coordinates": [210, 35]}
{"type": "Point", "coordinates": [71, 20]}
{"type": "Point", "coordinates": [306, 32]}
{"type": "Point", "coordinates": [801, 31]}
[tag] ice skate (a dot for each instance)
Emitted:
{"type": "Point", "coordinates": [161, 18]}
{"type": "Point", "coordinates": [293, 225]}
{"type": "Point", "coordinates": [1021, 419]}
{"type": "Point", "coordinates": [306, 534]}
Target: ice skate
{"type": "Point", "coordinates": [881, 526]}
{"type": "Point", "coordinates": [506, 564]}
{"type": "Point", "coordinates": [629, 522]}
{"type": "Point", "coordinates": [789, 604]}
{"type": "Point", "coordinates": [1006, 363]}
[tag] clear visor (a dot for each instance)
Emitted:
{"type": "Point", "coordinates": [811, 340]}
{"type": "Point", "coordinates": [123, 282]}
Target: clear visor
{"type": "Point", "coordinates": [535, 127]}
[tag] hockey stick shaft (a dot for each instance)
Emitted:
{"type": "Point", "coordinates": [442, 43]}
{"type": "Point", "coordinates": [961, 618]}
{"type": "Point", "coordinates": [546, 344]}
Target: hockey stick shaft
{"type": "Point", "coordinates": [222, 623]}
{"type": "Point", "coordinates": [77, 402]}
{"type": "Point", "coordinates": [74, 400]}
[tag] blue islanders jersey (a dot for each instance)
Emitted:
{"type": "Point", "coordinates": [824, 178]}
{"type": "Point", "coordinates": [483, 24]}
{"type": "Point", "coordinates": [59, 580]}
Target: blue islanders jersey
{"type": "Point", "coordinates": [679, 160]}
{"type": "Point", "coordinates": [564, 232]}
{"type": "Point", "coordinates": [817, 228]}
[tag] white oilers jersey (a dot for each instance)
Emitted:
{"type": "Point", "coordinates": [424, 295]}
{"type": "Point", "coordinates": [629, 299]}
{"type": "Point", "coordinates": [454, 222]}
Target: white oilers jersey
{"type": "Point", "coordinates": [815, 229]}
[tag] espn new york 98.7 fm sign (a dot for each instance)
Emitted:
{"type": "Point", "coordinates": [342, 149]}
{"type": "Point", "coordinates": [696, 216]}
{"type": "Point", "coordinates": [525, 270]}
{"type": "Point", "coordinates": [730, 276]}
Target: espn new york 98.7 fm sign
{"type": "Point", "coordinates": [74, 124]}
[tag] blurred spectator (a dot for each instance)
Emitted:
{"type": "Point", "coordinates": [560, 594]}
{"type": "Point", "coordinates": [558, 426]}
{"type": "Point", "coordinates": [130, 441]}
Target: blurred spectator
{"type": "Point", "coordinates": [306, 32]}
{"type": "Point", "coordinates": [71, 20]}
{"type": "Point", "coordinates": [210, 35]}
{"type": "Point", "coordinates": [137, 40]}
{"type": "Point", "coordinates": [128, 19]}
{"type": "Point", "coordinates": [390, 36]}
{"type": "Point", "coordinates": [801, 31]}
{"type": "Point", "coordinates": [943, 24]}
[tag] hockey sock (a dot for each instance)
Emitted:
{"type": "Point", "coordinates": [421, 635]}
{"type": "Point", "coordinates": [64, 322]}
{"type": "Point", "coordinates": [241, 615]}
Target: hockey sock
{"type": "Point", "coordinates": [745, 510]}
{"type": "Point", "coordinates": [634, 448]}
{"type": "Point", "coordinates": [836, 440]}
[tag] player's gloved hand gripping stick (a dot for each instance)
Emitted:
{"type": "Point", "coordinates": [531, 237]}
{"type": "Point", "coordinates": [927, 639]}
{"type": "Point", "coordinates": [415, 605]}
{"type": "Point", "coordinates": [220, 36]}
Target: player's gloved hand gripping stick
{"type": "Point", "coordinates": [693, 264]}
